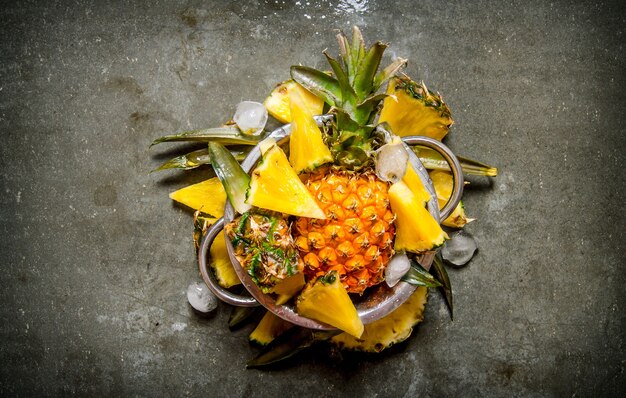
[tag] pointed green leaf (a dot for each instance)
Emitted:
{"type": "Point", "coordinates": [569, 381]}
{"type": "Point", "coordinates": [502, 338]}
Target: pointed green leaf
{"type": "Point", "coordinates": [346, 54]}
{"type": "Point", "coordinates": [197, 158]}
{"type": "Point", "coordinates": [358, 50]}
{"type": "Point", "coordinates": [440, 273]}
{"type": "Point", "coordinates": [224, 135]}
{"type": "Point", "coordinates": [319, 83]}
{"type": "Point", "coordinates": [388, 72]}
{"type": "Point", "coordinates": [364, 79]}
{"type": "Point", "coordinates": [418, 276]}
{"type": "Point", "coordinates": [347, 93]}
{"type": "Point", "coordinates": [239, 316]}
{"type": "Point", "coordinates": [434, 161]}
{"type": "Point", "coordinates": [234, 179]}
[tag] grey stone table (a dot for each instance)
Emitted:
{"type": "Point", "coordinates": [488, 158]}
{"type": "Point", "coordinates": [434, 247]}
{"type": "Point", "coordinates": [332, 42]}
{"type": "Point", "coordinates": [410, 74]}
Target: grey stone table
{"type": "Point", "coordinates": [95, 258]}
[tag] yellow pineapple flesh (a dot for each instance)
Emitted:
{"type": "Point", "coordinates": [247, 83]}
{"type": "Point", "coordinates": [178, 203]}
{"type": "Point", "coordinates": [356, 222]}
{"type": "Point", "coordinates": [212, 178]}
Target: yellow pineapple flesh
{"type": "Point", "coordinates": [276, 186]}
{"type": "Point", "coordinates": [356, 239]}
{"type": "Point", "coordinates": [278, 102]}
{"type": "Point", "coordinates": [307, 150]}
{"type": "Point", "coordinates": [270, 327]}
{"type": "Point", "coordinates": [443, 182]}
{"type": "Point", "coordinates": [411, 109]}
{"type": "Point", "coordinates": [207, 196]}
{"type": "Point", "coordinates": [221, 264]}
{"type": "Point", "coordinates": [326, 300]}
{"type": "Point", "coordinates": [389, 330]}
{"type": "Point", "coordinates": [416, 229]}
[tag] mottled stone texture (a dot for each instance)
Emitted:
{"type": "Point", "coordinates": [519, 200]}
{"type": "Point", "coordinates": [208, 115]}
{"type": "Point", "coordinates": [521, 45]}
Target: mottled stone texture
{"type": "Point", "coordinates": [95, 258]}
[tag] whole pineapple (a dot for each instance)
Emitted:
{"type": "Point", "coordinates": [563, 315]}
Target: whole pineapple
{"type": "Point", "coordinates": [356, 238]}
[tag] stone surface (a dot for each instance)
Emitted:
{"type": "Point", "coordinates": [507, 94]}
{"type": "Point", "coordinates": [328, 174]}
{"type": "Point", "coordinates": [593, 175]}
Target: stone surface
{"type": "Point", "coordinates": [96, 259]}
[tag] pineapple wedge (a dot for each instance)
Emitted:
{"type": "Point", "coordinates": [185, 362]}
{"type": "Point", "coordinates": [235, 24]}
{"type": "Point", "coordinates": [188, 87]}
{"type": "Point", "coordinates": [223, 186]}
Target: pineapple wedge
{"type": "Point", "coordinates": [413, 181]}
{"type": "Point", "coordinates": [288, 288]}
{"type": "Point", "coordinates": [443, 181]}
{"type": "Point", "coordinates": [389, 330]}
{"type": "Point", "coordinates": [277, 104]}
{"type": "Point", "coordinates": [207, 196]}
{"type": "Point", "coordinates": [410, 109]}
{"type": "Point", "coordinates": [221, 264]}
{"type": "Point", "coordinates": [416, 229]}
{"type": "Point", "coordinates": [307, 150]}
{"type": "Point", "coordinates": [328, 301]}
{"type": "Point", "coordinates": [276, 186]}
{"type": "Point", "coordinates": [270, 327]}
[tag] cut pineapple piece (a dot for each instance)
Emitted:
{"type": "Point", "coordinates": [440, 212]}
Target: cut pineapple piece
{"type": "Point", "coordinates": [414, 182]}
{"type": "Point", "coordinates": [288, 288]}
{"type": "Point", "coordinates": [389, 330]}
{"type": "Point", "coordinates": [410, 109]}
{"type": "Point", "coordinates": [416, 229]}
{"type": "Point", "coordinates": [443, 182]}
{"type": "Point", "coordinates": [221, 264]}
{"type": "Point", "coordinates": [207, 196]}
{"type": "Point", "coordinates": [328, 301]}
{"type": "Point", "coordinates": [277, 103]}
{"type": "Point", "coordinates": [307, 150]}
{"type": "Point", "coordinates": [270, 327]}
{"type": "Point", "coordinates": [276, 186]}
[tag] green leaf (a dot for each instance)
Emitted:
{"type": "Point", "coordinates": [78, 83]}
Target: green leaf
{"type": "Point", "coordinates": [289, 344]}
{"type": "Point", "coordinates": [440, 273]}
{"type": "Point", "coordinates": [224, 135]}
{"type": "Point", "coordinates": [197, 158]}
{"type": "Point", "coordinates": [418, 276]}
{"type": "Point", "coordinates": [239, 316]}
{"type": "Point", "coordinates": [434, 161]}
{"type": "Point", "coordinates": [346, 54]}
{"type": "Point", "coordinates": [388, 72]}
{"type": "Point", "coordinates": [364, 79]}
{"type": "Point", "coordinates": [347, 93]}
{"type": "Point", "coordinates": [319, 83]}
{"type": "Point", "coordinates": [234, 179]}
{"type": "Point", "coordinates": [357, 49]}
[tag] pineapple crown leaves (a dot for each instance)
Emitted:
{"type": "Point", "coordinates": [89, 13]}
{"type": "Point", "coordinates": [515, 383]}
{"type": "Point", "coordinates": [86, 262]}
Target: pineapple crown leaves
{"type": "Point", "coordinates": [352, 91]}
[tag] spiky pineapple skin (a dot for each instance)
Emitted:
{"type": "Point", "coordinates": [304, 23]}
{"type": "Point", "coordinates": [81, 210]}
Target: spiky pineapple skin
{"type": "Point", "coordinates": [356, 239]}
{"type": "Point", "coordinates": [264, 247]}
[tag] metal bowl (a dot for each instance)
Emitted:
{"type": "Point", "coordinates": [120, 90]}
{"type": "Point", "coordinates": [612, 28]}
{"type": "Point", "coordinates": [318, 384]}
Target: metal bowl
{"type": "Point", "coordinates": [377, 301]}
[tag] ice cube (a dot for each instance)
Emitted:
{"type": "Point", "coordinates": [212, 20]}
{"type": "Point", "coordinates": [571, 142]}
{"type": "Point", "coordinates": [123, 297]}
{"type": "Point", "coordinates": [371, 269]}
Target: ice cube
{"type": "Point", "coordinates": [250, 117]}
{"type": "Point", "coordinates": [459, 249]}
{"type": "Point", "coordinates": [391, 160]}
{"type": "Point", "coordinates": [397, 267]}
{"type": "Point", "coordinates": [201, 298]}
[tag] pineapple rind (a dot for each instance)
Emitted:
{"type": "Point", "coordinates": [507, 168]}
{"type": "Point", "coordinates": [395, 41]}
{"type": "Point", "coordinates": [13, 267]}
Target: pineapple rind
{"type": "Point", "coordinates": [270, 327]}
{"type": "Point", "coordinates": [389, 330]}
{"type": "Point", "coordinates": [411, 109]}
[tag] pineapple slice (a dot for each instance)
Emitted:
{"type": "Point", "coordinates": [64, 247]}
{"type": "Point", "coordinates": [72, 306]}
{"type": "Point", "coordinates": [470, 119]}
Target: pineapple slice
{"type": "Point", "coordinates": [416, 229]}
{"type": "Point", "coordinates": [207, 196]}
{"type": "Point", "coordinates": [276, 186]}
{"type": "Point", "coordinates": [277, 103]}
{"type": "Point", "coordinates": [221, 264]}
{"type": "Point", "coordinates": [307, 150]}
{"type": "Point", "coordinates": [270, 327]}
{"type": "Point", "coordinates": [410, 109]}
{"type": "Point", "coordinates": [328, 301]}
{"type": "Point", "coordinates": [389, 330]}
{"type": "Point", "coordinates": [443, 181]}
{"type": "Point", "coordinates": [288, 288]}
{"type": "Point", "coordinates": [413, 181]}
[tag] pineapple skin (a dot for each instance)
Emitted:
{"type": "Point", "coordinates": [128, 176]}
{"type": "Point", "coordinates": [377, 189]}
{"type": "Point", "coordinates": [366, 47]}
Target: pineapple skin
{"type": "Point", "coordinates": [356, 239]}
{"type": "Point", "coordinates": [264, 247]}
